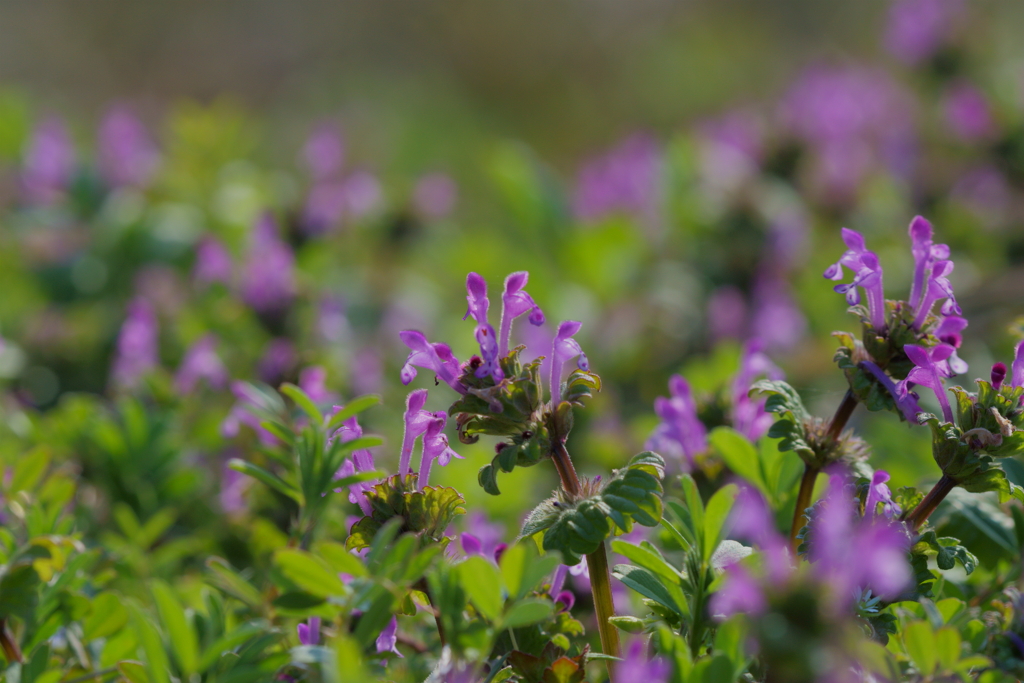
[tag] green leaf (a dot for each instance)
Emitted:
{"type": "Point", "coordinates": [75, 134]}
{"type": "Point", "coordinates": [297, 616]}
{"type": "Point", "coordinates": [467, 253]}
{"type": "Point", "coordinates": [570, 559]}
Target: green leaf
{"type": "Point", "coordinates": [134, 671]}
{"type": "Point", "coordinates": [340, 559]}
{"type": "Point", "coordinates": [107, 617]}
{"type": "Point", "coordinates": [353, 407]}
{"type": "Point", "coordinates": [149, 639]}
{"type": "Point", "coordinates": [482, 584]}
{"type": "Point", "coordinates": [526, 612]}
{"type": "Point", "coordinates": [647, 557]}
{"type": "Point", "coordinates": [919, 640]}
{"type": "Point", "coordinates": [715, 516]}
{"type": "Point", "coordinates": [647, 584]}
{"type": "Point", "coordinates": [268, 478]}
{"type": "Point", "coordinates": [304, 402]}
{"type": "Point", "coordinates": [309, 572]}
{"type": "Point", "coordinates": [513, 569]}
{"type": "Point", "coordinates": [179, 630]}
{"type": "Point", "coordinates": [232, 582]}
{"type": "Point", "coordinates": [947, 647]}
{"type": "Point", "coordinates": [694, 509]}
{"type": "Point", "coordinates": [739, 455]}
{"type": "Point", "coordinates": [29, 469]}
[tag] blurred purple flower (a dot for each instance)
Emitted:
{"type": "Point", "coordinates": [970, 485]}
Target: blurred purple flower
{"type": "Point", "coordinates": [748, 414]}
{"type": "Point", "coordinates": [248, 402]}
{"type": "Point", "coordinates": [324, 152]}
{"type": "Point", "coordinates": [627, 179]}
{"type": "Point", "coordinates": [850, 553]}
{"type": "Point", "coordinates": [731, 148]}
{"type": "Point", "coordinates": [931, 368]}
{"type": "Point", "coordinates": [277, 361]}
{"type": "Point", "coordinates": [967, 112]}
{"type": "Point", "coordinates": [985, 191]}
{"type": "Point", "coordinates": [313, 381]}
{"type": "Point", "coordinates": [680, 435]}
{"type": "Point", "coordinates": [268, 274]}
{"type": "Point", "coordinates": [137, 345]}
{"type": "Point", "coordinates": [434, 195]}
{"type": "Point", "coordinates": [309, 632]}
{"type": "Point", "coordinates": [49, 162]}
{"type": "Point", "coordinates": [365, 371]}
{"type": "Point", "coordinates": [232, 490]}
{"type": "Point", "coordinates": [213, 262]}
{"type": "Point", "coordinates": [126, 155]}
{"type": "Point", "coordinates": [636, 668]}
{"type": "Point", "coordinates": [201, 362]}
{"type": "Point", "coordinates": [917, 29]}
{"type": "Point", "coordinates": [727, 313]}
{"type": "Point", "coordinates": [388, 638]}
{"type": "Point", "coordinates": [325, 207]}
{"type": "Point", "coordinates": [740, 592]}
{"type": "Point", "coordinates": [361, 460]}
{"type": "Point", "coordinates": [777, 319]}
{"type": "Point", "coordinates": [1017, 373]}
{"type": "Point", "coordinates": [484, 537]}
{"type": "Point", "coordinates": [332, 323]}
{"type": "Point", "coordinates": [867, 272]}
{"type": "Point", "coordinates": [363, 194]}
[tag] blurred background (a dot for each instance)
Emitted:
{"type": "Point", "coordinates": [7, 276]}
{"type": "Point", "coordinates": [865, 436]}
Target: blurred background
{"type": "Point", "coordinates": [195, 193]}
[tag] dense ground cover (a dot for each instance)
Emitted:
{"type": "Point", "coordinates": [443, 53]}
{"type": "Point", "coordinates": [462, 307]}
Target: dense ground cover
{"type": "Point", "coordinates": [271, 419]}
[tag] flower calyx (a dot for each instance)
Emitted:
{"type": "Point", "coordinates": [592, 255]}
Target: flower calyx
{"type": "Point", "coordinates": [427, 512]}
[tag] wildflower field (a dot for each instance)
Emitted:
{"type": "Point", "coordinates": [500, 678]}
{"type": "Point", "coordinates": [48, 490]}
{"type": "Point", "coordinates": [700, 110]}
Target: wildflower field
{"type": "Point", "coordinates": [735, 399]}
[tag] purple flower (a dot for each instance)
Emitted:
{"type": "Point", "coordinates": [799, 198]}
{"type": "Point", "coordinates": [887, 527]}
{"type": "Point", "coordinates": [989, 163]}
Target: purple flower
{"type": "Point", "coordinates": [332, 324]}
{"type": "Point", "coordinates": [416, 421]}
{"type": "Point", "coordinates": [907, 403]}
{"type": "Point", "coordinates": [137, 345]}
{"type": "Point", "coordinates": [514, 303]}
{"type": "Point", "coordinates": [878, 492]}
{"type": "Point", "coordinates": [777, 319]}
{"type": "Point", "coordinates": [748, 414]}
{"type": "Point", "coordinates": [680, 435]}
{"type": "Point", "coordinates": [948, 332]}
{"type": "Point", "coordinates": [1017, 376]}
{"type": "Point", "coordinates": [731, 149]}
{"type": "Point", "coordinates": [636, 668]}
{"type": "Point", "coordinates": [201, 362]}
{"type": "Point", "coordinates": [565, 348]}
{"type": "Point", "coordinates": [476, 288]}
{"type": "Point", "coordinates": [213, 262]}
{"type": "Point", "coordinates": [324, 151]}
{"type": "Point", "coordinates": [917, 29]}
{"type": "Point", "coordinates": [850, 553]}
{"type": "Point", "coordinates": [752, 520]}
{"type": "Point", "coordinates": [488, 536]}
{"type": "Point", "coordinates": [436, 357]}
{"type": "Point", "coordinates": [313, 381]}
{"type": "Point", "coordinates": [931, 368]}
{"type": "Point", "coordinates": [867, 273]}
{"type": "Point", "coordinates": [435, 195]}
{"type": "Point", "coordinates": [49, 162]}
{"type": "Point", "coordinates": [268, 275]}
{"type": "Point", "coordinates": [363, 193]}
{"type": "Point", "coordinates": [309, 633]}
{"type": "Point", "coordinates": [125, 153]}
{"type": "Point", "coordinates": [366, 372]}
{"type": "Point", "coordinates": [998, 375]}
{"type": "Point", "coordinates": [627, 179]}
{"type": "Point", "coordinates": [967, 112]}
{"type": "Point", "coordinates": [931, 265]}
{"type": "Point", "coordinates": [388, 638]}
{"type": "Point", "coordinates": [435, 447]}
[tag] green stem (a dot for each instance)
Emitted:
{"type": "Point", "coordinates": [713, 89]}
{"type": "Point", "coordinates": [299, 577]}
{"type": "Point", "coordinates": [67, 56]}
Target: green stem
{"type": "Point", "coordinates": [601, 588]}
{"type": "Point", "coordinates": [842, 416]}
{"type": "Point", "coordinates": [421, 585]}
{"type": "Point", "coordinates": [597, 562]}
{"type": "Point", "coordinates": [95, 674]}
{"type": "Point", "coordinates": [916, 517]}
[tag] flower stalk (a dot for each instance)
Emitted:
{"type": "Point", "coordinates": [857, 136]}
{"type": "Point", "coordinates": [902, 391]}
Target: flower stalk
{"type": "Point", "coordinates": [920, 514]}
{"type": "Point", "coordinates": [597, 563]}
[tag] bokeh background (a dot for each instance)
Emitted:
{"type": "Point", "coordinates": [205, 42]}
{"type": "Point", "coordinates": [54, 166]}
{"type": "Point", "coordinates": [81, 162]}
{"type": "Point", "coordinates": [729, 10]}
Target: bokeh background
{"type": "Point", "coordinates": [304, 180]}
